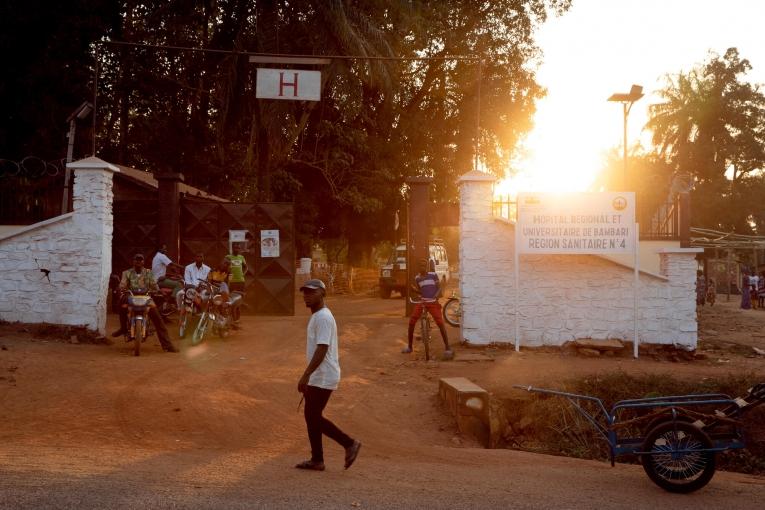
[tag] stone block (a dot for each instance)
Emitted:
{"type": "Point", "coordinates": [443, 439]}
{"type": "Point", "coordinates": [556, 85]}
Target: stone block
{"type": "Point", "coordinates": [468, 403]}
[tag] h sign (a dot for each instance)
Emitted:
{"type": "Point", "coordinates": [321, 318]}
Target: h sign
{"type": "Point", "coordinates": [288, 84]}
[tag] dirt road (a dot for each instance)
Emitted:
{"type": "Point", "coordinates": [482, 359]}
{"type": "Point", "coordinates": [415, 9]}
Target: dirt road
{"type": "Point", "coordinates": [217, 426]}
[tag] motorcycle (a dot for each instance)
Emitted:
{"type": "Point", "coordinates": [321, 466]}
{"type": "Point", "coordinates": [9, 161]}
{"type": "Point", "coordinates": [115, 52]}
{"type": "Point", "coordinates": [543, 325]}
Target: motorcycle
{"type": "Point", "coordinates": [218, 313]}
{"type": "Point", "coordinates": [166, 303]}
{"type": "Point", "coordinates": [193, 301]}
{"type": "Point", "coordinates": [139, 327]}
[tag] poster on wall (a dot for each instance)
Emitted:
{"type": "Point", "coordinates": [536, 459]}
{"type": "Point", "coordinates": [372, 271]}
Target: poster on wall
{"type": "Point", "coordinates": [576, 223]}
{"type": "Point", "coordinates": [269, 243]}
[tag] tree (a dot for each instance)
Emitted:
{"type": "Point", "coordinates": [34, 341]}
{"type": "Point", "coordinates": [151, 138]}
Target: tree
{"type": "Point", "coordinates": [47, 72]}
{"type": "Point", "coordinates": [712, 127]}
{"type": "Point", "coordinates": [345, 159]}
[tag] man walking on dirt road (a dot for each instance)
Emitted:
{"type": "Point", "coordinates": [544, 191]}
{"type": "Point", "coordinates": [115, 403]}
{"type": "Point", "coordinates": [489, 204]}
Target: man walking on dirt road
{"type": "Point", "coordinates": [321, 377]}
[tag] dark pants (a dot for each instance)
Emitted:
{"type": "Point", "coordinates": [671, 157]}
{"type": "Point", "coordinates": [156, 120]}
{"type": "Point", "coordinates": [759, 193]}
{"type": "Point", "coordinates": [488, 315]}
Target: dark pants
{"type": "Point", "coordinates": [159, 325]}
{"type": "Point", "coordinates": [236, 287]}
{"type": "Point", "coordinates": [315, 401]}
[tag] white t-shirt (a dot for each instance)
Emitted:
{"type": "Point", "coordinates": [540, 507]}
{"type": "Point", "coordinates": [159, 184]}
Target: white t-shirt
{"type": "Point", "coordinates": [193, 274]}
{"type": "Point", "coordinates": [322, 329]}
{"type": "Point", "coordinates": [159, 265]}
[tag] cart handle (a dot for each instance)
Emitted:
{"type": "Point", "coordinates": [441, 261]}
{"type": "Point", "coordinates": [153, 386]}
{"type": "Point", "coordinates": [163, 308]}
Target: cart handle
{"type": "Point", "coordinates": [674, 398]}
{"type": "Point", "coordinates": [596, 400]}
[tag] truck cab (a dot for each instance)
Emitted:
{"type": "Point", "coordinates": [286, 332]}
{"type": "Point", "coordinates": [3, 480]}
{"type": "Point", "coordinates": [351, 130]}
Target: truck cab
{"type": "Point", "coordinates": [393, 272]}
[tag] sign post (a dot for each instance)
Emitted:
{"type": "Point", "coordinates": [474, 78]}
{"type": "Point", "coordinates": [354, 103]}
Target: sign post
{"type": "Point", "coordinates": [575, 224]}
{"type": "Point", "coordinates": [635, 285]}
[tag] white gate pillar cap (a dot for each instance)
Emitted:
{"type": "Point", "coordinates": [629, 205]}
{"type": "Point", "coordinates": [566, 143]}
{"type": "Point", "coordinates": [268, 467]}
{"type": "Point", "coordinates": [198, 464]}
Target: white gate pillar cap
{"type": "Point", "coordinates": [92, 163]}
{"type": "Point", "coordinates": [476, 175]}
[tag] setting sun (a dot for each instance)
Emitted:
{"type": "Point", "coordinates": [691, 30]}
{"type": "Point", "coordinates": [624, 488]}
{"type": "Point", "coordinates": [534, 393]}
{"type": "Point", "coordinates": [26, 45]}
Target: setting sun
{"type": "Point", "coordinates": [587, 57]}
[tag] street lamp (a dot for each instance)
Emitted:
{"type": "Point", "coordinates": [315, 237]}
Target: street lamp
{"type": "Point", "coordinates": [80, 113]}
{"type": "Point", "coordinates": [627, 100]}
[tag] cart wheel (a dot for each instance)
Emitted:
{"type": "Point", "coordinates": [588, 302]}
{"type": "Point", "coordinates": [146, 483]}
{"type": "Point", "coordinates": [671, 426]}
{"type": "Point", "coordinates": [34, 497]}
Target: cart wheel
{"type": "Point", "coordinates": [682, 462]}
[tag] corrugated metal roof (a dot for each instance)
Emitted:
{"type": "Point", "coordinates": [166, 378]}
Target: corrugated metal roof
{"type": "Point", "coordinates": [148, 178]}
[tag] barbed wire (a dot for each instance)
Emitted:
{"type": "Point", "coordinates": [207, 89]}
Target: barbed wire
{"type": "Point", "coordinates": [31, 167]}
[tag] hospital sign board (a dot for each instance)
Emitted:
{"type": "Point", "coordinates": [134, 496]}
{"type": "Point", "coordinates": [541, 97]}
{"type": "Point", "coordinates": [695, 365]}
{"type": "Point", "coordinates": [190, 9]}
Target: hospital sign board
{"type": "Point", "coordinates": [576, 223]}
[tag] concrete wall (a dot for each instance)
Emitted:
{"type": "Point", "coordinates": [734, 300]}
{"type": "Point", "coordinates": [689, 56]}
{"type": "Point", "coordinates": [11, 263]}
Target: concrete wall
{"type": "Point", "coordinates": [75, 247]}
{"type": "Point", "coordinates": [563, 297]}
{"type": "Point", "coordinates": [648, 255]}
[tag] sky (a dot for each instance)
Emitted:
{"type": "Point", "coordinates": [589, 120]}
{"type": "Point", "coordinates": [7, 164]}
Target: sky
{"type": "Point", "coordinates": [600, 47]}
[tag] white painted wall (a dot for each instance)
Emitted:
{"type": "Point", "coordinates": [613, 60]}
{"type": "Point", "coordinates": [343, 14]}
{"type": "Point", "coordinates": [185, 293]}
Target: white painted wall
{"type": "Point", "coordinates": [563, 297]}
{"type": "Point", "coordinates": [75, 247]}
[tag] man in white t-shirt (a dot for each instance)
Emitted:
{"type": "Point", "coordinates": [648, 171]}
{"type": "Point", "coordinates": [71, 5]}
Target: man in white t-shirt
{"type": "Point", "coordinates": [196, 271]}
{"type": "Point", "coordinates": [321, 377]}
{"type": "Point", "coordinates": [159, 265]}
{"type": "Point", "coordinates": [192, 275]}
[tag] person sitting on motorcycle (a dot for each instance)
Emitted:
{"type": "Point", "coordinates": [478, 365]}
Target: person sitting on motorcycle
{"type": "Point", "coordinates": [135, 279]}
{"type": "Point", "coordinates": [197, 271]}
{"type": "Point", "coordinates": [159, 266]}
{"type": "Point", "coordinates": [194, 273]}
{"type": "Point", "coordinates": [219, 276]}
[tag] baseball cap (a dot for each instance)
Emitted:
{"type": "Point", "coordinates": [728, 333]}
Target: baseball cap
{"type": "Point", "coordinates": [313, 284]}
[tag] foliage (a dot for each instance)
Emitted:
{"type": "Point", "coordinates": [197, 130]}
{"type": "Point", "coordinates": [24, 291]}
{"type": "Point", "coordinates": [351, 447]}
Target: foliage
{"type": "Point", "coordinates": [648, 175]}
{"type": "Point", "coordinates": [344, 159]}
{"type": "Point", "coordinates": [46, 72]}
{"type": "Point", "coordinates": [711, 127]}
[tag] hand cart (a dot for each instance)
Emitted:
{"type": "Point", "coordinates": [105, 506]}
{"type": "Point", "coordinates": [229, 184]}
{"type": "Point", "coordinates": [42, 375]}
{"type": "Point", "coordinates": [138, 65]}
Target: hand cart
{"type": "Point", "coordinates": [678, 436]}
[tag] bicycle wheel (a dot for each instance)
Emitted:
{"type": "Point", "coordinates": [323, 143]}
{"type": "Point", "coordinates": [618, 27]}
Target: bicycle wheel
{"type": "Point", "coordinates": [138, 338]}
{"type": "Point", "coordinates": [677, 457]}
{"type": "Point", "coordinates": [425, 331]}
{"type": "Point", "coordinates": [453, 312]}
{"type": "Point", "coordinates": [199, 332]}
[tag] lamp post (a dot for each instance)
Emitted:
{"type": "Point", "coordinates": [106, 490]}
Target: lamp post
{"type": "Point", "coordinates": [627, 100]}
{"type": "Point", "coordinates": [80, 113]}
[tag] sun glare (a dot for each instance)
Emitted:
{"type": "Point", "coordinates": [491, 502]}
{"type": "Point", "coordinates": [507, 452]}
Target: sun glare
{"type": "Point", "coordinates": [555, 161]}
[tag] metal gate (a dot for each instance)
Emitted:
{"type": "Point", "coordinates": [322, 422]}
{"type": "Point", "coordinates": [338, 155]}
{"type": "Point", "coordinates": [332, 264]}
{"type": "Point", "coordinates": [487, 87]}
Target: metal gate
{"type": "Point", "coordinates": [270, 288]}
{"type": "Point", "coordinates": [135, 231]}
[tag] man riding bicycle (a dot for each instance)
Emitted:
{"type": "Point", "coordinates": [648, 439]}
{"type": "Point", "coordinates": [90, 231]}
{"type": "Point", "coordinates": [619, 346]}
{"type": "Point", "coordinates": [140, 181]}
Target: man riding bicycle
{"type": "Point", "coordinates": [428, 286]}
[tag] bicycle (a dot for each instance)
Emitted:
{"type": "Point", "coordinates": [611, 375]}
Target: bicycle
{"type": "Point", "coordinates": [424, 327]}
{"type": "Point", "coordinates": [453, 311]}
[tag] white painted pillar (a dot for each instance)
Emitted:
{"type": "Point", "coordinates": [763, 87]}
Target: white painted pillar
{"type": "Point", "coordinates": [91, 259]}
{"type": "Point", "coordinates": [476, 195]}
{"type": "Point", "coordinates": [679, 265]}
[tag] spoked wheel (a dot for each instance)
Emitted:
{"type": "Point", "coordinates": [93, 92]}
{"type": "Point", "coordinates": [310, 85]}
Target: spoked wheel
{"type": "Point", "coordinates": [453, 312]}
{"type": "Point", "coordinates": [425, 325]}
{"type": "Point", "coordinates": [199, 332]}
{"type": "Point", "coordinates": [678, 457]}
{"type": "Point", "coordinates": [138, 338]}
{"type": "Point", "coordinates": [183, 323]}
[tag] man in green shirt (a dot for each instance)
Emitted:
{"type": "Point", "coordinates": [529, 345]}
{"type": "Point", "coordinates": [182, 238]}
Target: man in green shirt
{"type": "Point", "coordinates": [140, 278]}
{"type": "Point", "coordinates": [238, 269]}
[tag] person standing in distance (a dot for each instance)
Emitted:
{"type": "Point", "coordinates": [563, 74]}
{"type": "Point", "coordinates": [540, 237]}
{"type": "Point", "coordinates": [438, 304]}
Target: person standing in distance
{"type": "Point", "coordinates": [238, 268]}
{"type": "Point", "coordinates": [320, 378]}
